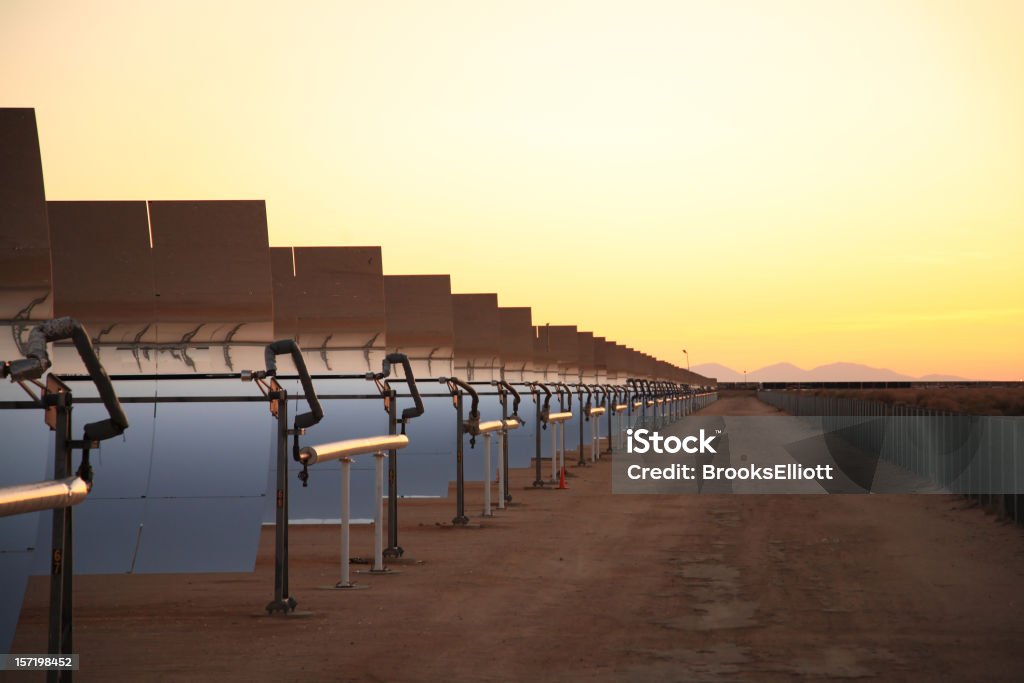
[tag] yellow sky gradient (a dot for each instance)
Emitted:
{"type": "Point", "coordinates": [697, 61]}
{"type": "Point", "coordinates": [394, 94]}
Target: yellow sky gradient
{"type": "Point", "coordinates": [754, 181]}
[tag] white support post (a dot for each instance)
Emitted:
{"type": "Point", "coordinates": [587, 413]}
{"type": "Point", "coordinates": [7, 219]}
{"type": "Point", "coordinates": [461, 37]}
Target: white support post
{"type": "Point", "coordinates": [378, 515]}
{"type": "Point", "coordinates": [501, 469]}
{"type": "Point", "coordinates": [345, 451]}
{"type": "Point", "coordinates": [346, 520]}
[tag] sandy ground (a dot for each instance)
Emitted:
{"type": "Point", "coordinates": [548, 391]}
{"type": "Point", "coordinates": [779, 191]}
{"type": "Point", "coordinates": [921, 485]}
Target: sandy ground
{"type": "Point", "coordinates": [581, 584]}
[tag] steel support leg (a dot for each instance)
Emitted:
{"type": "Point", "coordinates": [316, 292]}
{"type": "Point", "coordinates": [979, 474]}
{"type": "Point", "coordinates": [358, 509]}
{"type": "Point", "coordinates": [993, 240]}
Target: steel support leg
{"type": "Point", "coordinates": [460, 479]}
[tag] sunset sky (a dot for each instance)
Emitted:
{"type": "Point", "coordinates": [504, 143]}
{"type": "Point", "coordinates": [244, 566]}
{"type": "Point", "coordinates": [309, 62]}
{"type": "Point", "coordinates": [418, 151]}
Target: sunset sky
{"type": "Point", "coordinates": [754, 181]}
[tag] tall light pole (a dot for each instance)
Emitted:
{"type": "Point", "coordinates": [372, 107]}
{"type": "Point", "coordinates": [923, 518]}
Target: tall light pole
{"type": "Point", "coordinates": [687, 354]}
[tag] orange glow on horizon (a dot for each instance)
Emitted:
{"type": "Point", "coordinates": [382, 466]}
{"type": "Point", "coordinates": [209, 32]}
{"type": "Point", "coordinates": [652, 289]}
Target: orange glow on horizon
{"type": "Point", "coordinates": [755, 182]}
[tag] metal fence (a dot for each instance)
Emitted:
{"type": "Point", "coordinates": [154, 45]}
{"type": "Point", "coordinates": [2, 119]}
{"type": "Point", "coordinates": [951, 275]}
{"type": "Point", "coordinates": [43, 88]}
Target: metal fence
{"type": "Point", "coordinates": [978, 456]}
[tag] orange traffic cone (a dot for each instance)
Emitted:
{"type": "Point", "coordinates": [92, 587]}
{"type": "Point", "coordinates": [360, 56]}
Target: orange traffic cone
{"type": "Point", "coordinates": [561, 478]}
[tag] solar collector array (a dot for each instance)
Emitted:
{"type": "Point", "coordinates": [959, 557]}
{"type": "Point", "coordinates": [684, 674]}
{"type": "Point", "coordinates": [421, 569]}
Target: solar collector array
{"type": "Point", "coordinates": [181, 296]}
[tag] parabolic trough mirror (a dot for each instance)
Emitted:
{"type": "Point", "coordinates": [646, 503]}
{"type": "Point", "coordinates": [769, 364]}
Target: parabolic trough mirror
{"type": "Point", "coordinates": [187, 488]}
{"type": "Point", "coordinates": [180, 300]}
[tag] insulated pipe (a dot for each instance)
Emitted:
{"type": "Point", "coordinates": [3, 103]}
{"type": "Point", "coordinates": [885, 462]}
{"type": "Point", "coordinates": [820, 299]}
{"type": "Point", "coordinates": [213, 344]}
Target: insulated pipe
{"type": "Point", "coordinates": [600, 394]}
{"type": "Point", "coordinates": [632, 387]}
{"type": "Point", "coordinates": [64, 491]}
{"type": "Point", "coordinates": [37, 361]}
{"type": "Point", "coordinates": [42, 495]}
{"type": "Point", "coordinates": [491, 426]}
{"type": "Point", "coordinates": [401, 359]}
{"type": "Point", "coordinates": [310, 455]}
{"type": "Point", "coordinates": [473, 419]}
{"type": "Point", "coordinates": [563, 390]}
{"type": "Point", "coordinates": [344, 451]}
{"type": "Point", "coordinates": [516, 398]}
{"type": "Point", "coordinates": [291, 347]}
{"type": "Point", "coordinates": [546, 406]}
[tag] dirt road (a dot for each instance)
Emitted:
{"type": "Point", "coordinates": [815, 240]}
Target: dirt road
{"type": "Point", "coordinates": [584, 585]}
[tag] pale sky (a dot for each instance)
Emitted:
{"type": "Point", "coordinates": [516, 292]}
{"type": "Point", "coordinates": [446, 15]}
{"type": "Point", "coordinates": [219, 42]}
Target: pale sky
{"type": "Point", "coordinates": [754, 181]}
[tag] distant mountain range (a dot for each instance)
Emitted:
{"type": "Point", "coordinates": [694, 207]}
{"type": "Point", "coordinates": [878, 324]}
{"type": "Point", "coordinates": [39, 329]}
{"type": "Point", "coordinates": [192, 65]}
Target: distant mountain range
{"type": "Point", "coordinates": [833, 372]}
